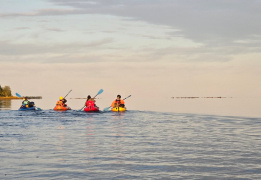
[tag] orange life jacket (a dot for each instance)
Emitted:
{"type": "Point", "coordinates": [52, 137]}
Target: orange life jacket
{"type": "Point", "coordinates": [60, 103]}
{"type": "Point", "coordinates": [117, 103]}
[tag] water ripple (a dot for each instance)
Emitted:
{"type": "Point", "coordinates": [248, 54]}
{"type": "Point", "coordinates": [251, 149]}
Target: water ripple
{"type": "Point", "coordinates": [130, 145]}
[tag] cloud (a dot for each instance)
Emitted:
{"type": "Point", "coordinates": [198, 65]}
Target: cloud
{"type": "Point", "coordinates": [41, 12]}
{"type": "Point", "coordinates": [55, 29]}
{"type": "Point", "coordinates": [216, 21]}
{"type": "Point", "coordinates": [31, 49]}
{"type": "Point", "coordinates": [96, 52]}
{"type": "Point", "coordinates": [22, 28]}
{"type": "Point", "coordinates": [220, 28]}
{"type": "Point", "coordinates": [210, 22]}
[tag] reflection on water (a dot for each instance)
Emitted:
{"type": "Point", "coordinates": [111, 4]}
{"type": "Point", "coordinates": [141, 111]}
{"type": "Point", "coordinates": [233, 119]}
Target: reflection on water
{"type": "Point", "coordinates": [5, 104]}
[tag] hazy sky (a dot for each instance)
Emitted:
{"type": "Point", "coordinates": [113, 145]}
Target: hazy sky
{"type": "Point", "coordinates": [147, 48]}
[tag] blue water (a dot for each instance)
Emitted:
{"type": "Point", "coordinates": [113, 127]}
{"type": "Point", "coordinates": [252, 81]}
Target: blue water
{"type": "Point", "coordinates": [131, 145]}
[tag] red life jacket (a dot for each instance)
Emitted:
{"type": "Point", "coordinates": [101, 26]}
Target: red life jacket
{"type": "Point", "coordinates": [90, 104]}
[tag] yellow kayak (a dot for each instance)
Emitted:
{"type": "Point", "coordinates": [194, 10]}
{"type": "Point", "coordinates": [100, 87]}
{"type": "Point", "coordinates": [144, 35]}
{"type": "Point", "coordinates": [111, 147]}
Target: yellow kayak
{"type": "Point", "coordinates": [119, 109]}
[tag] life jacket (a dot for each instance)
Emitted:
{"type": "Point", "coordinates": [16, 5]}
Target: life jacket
{"type": "Point", "coordinates": [25, 103]}
{"type": "Point", "coordinates": [60, 103]}
{"type": "Point", "coordinates": [90, 104]}
{"type": "Point", "coordinates": [117, 103]}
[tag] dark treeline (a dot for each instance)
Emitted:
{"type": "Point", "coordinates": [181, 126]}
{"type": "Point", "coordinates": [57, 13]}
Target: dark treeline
{"type": "Point", "coordinates": [5, 91]}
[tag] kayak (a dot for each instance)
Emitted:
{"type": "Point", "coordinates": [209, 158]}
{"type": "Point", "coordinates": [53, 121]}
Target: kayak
{"type": "Point", "coordinates": [61, 108]}
{"type": "Point", "coordinates": [91, 109]}
{"type": "Point", "coordinates": [119, 109]}
{"type": "Point", "coordinates": [22, 108]}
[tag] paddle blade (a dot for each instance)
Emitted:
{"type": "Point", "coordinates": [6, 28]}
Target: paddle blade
{"type": "Point", "coordinates": [100, 91]}
{"type": "Point", "coordinates": [106, 109]}
{"type": "Point", "coordinates": [81, 108]}
{"type": "Point", "coordinates": [18, 95]}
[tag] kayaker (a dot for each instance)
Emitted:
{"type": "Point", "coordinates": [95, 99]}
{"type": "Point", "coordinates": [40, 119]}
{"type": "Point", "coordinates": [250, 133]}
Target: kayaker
{"type": "Point", "coordinates": [61, 102]}
{"type": "Point", "coordinates": [25, 102]}
{"type": "Point", "coordinates": [118, 102]}
{"type": "Point", "coordinates": [90, 102]}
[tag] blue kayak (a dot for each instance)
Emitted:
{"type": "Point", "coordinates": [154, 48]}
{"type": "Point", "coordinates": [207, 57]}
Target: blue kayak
{"type": "Point", "coordinates": [22, 108]}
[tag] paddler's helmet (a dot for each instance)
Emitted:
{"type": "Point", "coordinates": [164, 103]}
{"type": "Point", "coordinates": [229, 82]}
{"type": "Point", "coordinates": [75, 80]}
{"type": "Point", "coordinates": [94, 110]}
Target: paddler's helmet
{"type": "Point", "coordinates": [23, 99]}
{"type": "Point", "coordinates": [118, 96]}
{"type": "Point", "coordinates": [61, 98]}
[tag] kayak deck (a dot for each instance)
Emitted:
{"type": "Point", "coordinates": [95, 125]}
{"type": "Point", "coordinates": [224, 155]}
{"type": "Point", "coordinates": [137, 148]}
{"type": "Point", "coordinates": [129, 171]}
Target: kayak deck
{"type": "Point", "coordinates": [118, 109]}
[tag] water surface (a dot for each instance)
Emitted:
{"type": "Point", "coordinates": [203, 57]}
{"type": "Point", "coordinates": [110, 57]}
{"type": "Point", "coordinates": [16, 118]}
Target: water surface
{"type": "Point", "coordinates": [131, 145]}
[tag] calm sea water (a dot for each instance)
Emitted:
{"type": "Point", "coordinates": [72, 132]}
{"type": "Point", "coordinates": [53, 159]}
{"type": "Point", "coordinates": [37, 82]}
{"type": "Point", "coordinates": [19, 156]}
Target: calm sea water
{"type": "Point", "coordinates": [131, 145]}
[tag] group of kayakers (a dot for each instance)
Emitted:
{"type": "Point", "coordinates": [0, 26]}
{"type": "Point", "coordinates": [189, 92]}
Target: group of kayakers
{"type": "Point", "coordinates": [90, 106]}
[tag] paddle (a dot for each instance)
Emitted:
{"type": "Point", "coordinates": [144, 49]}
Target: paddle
{"type": "Point", "coordinates": [18, 95]}
{"type": "Point", "coordinates": [100, 91]}
{"type": "Point", "coordinates": [106, 109]}
{"type": "Point", "coordinates": [67, 94]}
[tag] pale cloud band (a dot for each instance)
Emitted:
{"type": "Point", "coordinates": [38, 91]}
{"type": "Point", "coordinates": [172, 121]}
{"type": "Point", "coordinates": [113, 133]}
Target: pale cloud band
{"type": "Point", "coordinates": [214, 21]}
{"type": "Point", "coordinates": [148, 30]}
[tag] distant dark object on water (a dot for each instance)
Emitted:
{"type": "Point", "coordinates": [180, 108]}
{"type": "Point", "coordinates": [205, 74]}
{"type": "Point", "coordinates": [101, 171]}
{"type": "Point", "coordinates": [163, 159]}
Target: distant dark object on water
{"type": "Point", "coordinates": [34, 97]}
{"type": "Point", "coordinates": [197, 97]}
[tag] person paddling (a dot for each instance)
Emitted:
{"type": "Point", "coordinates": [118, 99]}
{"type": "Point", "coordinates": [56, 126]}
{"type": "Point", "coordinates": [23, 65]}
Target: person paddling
{"type": "Point", "coordinates": [61, 102]}
{"type": "Point", "coordinates": [90, 102]}
{"type": "Point", "coordinates": [118, 102]}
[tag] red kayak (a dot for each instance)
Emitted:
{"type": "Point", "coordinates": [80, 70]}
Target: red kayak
{"type": "Point", "coordinates": [91, 109]}
{"type": "Point", "coordinates": [61, 108]}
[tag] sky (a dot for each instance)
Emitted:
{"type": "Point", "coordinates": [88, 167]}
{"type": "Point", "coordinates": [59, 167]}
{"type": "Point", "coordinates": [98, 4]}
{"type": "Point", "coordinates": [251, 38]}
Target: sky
{"type": "Point", "coordinates": [147, 48]}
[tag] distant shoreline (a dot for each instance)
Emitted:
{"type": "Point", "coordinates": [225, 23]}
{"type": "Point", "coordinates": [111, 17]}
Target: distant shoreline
{"type": "Point", "coordinates": [15, 97]}
{"type": "Point", "coordinates": [11, 97]}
